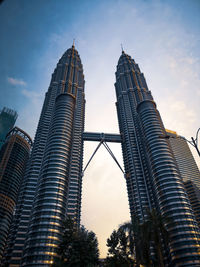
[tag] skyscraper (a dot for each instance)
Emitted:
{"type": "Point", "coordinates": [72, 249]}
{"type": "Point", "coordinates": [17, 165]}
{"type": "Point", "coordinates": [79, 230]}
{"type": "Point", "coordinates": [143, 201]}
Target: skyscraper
{"type": "Point", "coordinates": [13, 158]}
{"type": "Point", "coordinates": [7, 121]}
{"type": "Point", "coordinates": [53, 176]}
{"type": "Point", "coordinates": [188, 170]}
{"type": "Point", "coordinates": [52, 185]}
{"type": "Point", "coordinates": [153, 180]}
{"type": "Point", "coordinates": [184, 158]}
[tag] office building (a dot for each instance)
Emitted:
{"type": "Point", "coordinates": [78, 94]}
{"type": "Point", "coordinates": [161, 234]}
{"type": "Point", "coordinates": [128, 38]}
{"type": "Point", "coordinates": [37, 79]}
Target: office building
{"type": "Point", "coordinates": [184, 158]}
{"type": "Point", "coordinates": [13, 158]}
{"type": "Point", "coordinates": [51, 188]}
{"type": "Point", "coordinates": [153, 179]}
{"type": "Point", "coordinates": [7, 121]}
{"type": "Point", "coordinates": [188, 170]}
{"type": "Point", "coordinates": [54, 168]}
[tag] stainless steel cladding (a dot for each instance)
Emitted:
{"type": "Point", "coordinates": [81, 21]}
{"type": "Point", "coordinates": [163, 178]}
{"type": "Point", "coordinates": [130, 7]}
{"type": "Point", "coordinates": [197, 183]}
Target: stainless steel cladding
{"type": "Point", "coordinates": [52, 184]}
{"type": "Point", "coordinates": [153, 180]}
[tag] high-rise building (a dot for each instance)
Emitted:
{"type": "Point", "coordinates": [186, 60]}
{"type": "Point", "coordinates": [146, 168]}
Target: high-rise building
{"type": "Point", "coordinates": [153, 179]}
{"type": "Point", "coordinates": [53, 175]}
{"type": "Point", "coordinates": [184, 158]}
{"type": "Point", "coordinates": [188, 169]}
{"type": "Point", "coordinates": [7, 121]}
{"type": "Point", "coordinates": [51, 188]}
{"type": "Point", "coordinates": [13, 158]}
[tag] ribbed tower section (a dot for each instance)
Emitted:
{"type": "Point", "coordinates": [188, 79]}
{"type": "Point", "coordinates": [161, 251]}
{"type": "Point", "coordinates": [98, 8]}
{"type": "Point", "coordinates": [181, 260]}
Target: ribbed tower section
{"type": "Point", "coordinates": [52, 185]}
{"type": "Point", "coordinates": [153, 180]}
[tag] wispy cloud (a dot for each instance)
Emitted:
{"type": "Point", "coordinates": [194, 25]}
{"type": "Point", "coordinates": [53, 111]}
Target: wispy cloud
{"type": "Point", "coordinates": [14, 81]}
{"type": "Point", "coordinates": [32, 104]}
{"type": "Point", "coordinates": [31, 94]}
{"type": "Point", "coordinates": [34, 98]}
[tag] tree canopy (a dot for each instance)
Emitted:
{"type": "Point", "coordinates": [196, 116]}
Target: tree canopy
{"type": "Point", "coordinates": [119, 250]}
{"type": "Point", "coordinates": [78, 247]}
{"type": "Point", "coordinates": [139, 243]}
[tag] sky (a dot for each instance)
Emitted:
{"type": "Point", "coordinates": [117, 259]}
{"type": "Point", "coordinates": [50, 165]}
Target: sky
{"type": "Point", "coordinates": [163, 37]}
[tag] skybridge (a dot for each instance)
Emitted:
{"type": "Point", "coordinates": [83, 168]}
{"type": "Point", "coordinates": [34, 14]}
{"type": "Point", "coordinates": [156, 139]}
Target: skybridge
{"type": "Point", "coordinates": [102, 138]}
{"type": "Point", "coordinates": [107, 137]}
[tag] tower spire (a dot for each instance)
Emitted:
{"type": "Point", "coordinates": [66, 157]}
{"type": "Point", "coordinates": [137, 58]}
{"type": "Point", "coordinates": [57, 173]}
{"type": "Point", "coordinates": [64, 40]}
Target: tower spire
{"type": "Point", "coordinates": [122, 48]}
{"type": "Point", "coordinates": [73, 42]}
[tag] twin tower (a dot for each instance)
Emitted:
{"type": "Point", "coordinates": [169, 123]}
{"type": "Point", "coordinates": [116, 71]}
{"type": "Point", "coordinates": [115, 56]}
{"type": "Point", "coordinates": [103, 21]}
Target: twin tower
{"type": "Point", "coordinates": [51, 188]}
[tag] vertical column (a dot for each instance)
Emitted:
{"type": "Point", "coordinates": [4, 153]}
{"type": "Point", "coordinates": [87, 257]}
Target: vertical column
{"type": "Point", "coordinates": [171, 196]}
{"type": "Point", "coordinates": [51, 199]}
{"type": "Point", "coordinates": [75, 183]}
{"type": "Point", "coordinates": [19, 225]}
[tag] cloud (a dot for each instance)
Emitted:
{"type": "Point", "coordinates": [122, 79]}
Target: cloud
{"type": "Point", "coordinates": [14, 81]}
{"type": "Point", "coordinates": [30, 94]}
{"type": "Point", "coordinates": [30, 111]}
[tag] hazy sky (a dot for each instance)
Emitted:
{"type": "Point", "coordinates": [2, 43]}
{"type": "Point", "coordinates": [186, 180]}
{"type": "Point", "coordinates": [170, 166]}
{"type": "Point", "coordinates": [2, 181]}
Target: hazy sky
{"type": "Point", "coordinates": [162, 36]}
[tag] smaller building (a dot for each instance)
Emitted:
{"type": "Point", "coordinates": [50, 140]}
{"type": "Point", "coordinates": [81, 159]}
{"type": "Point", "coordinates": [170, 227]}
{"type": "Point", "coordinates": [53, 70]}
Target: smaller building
{"type": "Point", "coordinates": [7, 120]}
{"type": "Point", "coordinates": [13, 158]}
{"type": "Point", "coordinates": [184, 158]}
{"type": "Point", "coordinates": [188, 169]}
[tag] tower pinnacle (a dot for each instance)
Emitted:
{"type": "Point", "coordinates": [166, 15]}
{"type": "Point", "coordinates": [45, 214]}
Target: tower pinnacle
{"type": "Point", "coordinates": [122, 49]}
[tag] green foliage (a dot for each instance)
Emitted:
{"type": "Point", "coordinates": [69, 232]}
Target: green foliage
{"type": "Point", "coordinates": [142, 242]}
{"type": "Point", "coordinates": [119, 249]}
{"type": "Point", "coordinates": [78, 247]}
{"type": "Point", "coordinates": [158, 235]}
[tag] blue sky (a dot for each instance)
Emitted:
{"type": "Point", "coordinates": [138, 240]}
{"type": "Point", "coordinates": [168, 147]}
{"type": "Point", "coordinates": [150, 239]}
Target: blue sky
{"type": "Point", "coordinates": [162, 36]}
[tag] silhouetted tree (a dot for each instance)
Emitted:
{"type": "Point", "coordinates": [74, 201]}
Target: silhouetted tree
{"type": "Point", "coordinates": [139, 241]}
{"type": "Point", "coordinates": [78, 247]}
{"type": "Point", "coordinates": [145, 242]}
{"type": "Point", "coordinates": [119, 253]}
{"type": "Point", "coordinates": [158, 235]}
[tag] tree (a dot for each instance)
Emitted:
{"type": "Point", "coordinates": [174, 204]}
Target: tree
{"type": "Point", "coordinates": [119, 253]}
{"type": "Point", "coordinates": [159, 235]}
{"type": "Point", "coordinates": [145, 242]}
{"type": "Point", "coordinates": [139, 241]}
{"type": "Point", "coordinates": [78, 247]}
